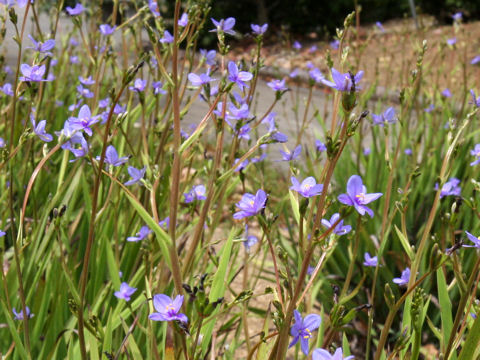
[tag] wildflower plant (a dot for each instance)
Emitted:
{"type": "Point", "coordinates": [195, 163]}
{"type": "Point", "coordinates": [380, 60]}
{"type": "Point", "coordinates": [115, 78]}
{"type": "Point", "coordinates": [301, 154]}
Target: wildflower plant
{"type": "Point", "coordinates": [129, 156]}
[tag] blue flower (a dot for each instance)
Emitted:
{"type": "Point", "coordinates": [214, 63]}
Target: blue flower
{"type": "Point", "coordinates": [136, 175]}
{"type": "Point", "coordinates": [343, 82]}
{"type": "Point", "coordinates": [289, 156]}
{"type": "Point", "coordinates": [357, 196]}
{"type": "Point", "coordinates": [125, 291]}
{"type": "Point", "coordinates": [250, 204]}
{"type": "Point", "coordinates": [19, 315]}
{"type": "Point", "coordinates": [369, 260]}
{"type": "Point", "coordinates": [340, 229]}
{"type": "Point", "coordinates": [307, 188]}
{"type": "Point", "coordinates": [238, 77]}
{"type": "Point", "coordinates": [142, 234]}
{"type": "Point", "coordinates": [167, 309]}
{"type": "Point", "coordinates": [322, 354]}
{"type": "Point", "coordinates": [224, 25]}
{"type": "Point", "coordinates": [302, 329]}
{"type": "Point", "coordinates": [404, 278]}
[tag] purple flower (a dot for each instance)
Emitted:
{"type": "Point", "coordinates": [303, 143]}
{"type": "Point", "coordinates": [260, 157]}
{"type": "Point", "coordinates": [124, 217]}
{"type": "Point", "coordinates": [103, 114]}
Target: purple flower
{"type": "Point", "coordinates": [408, 151]}
{"type": "Point", "coordinates": [32, 73]}
{"type": "Point", "coordinates": [450, 188]}
{"type": "Point", "coordinates": [302, 329]}
{"type": "Point", "coordinates": [475, 152]}
{"type": "Point", "coordinates": [135, 174]}
{"type": "Point", "coordinates": [250, 204]}
{"type": "Point", "coordinates": [312, 49]}
{"type": "Point", "coordinates": [259, 29]}
{"type": "Point", "coordinates": [319, 146]}
{"type": "Point", "coordinates": [125, 291]}
{"type": "Point", "coordinates": [367, 151]}
{"type": "Point", "coordinates": [158, 88]}
{"type": "Point", "coordinates": [289, 156]}
{"type": "Point", "coordinates": [19, 315]}
{"type": "Point", "coordinates": [42, 47]}
{"type": "Point", "coordinates": [167, 38]}
{"type": "Point", "coordinates": [167, 309]}
{"type": "Point", "coordinates": [316, 75]}
{"type": "Point", "coordinates": [165, 223]}
{"type": "Point", "coordinates": [196, 193]}
{"type": "Point", "coordinates": [380, 26]}
{"type": "Point", "coordinates": [404, 278]}
{"type": "Point", "coordinates": [153, 6]}
{"type": "Point", "coordinates": [335, 44]}
{"type": "Point", "coordinates": [277, 136]}
{"type": "Point", "coordinates": [457, 16]}
{"type": "Point", "coordinates": [238, 77]}
{"type": "Point", "coordinates": [140, 235]}
{"type": "Point", "coordinates": [475, 101]}
{"type": "Point", "coordinates": [388, 117]}
{"type": "Point", "coordinates": [370, 260]}
{"type": "Point", "coordinates": [39, 129]}
{"type": "Point", "coordinates": [475, 60]}
{"type": "Point", "coordinates": [199, 80]}
{"type": "Point", "coordinates": [107, 30]}
{"type": "Point", "coordinates": [104, 103]}
{"type": "Point", "coordinates": [452, 41]}
{"type": "Point", "coordinates": [209, 56]}
{"type": "Point", "coordinates": [87, 81]}
{"type": "Point", "coordinates": [224, 25]}
{"type": "Point", "coordinates": [357, 196]}
{"type": "Point", "coordinates": [474, 239]}
{"type": "Point", "coordinates": [250, 240]}
{"type": "Point", "coordinates": [307, 188]}
{"type": "Point", "coordinates": [112, 158]}
{"type": "Point", "coordinates": [138, 85]}
{"type": "Point", "coordinates": [183, 21]}
{"type": "Point", "coordinates": [446, 93]}
{"type": "Point", "coordinates": [277, 85]}
{"type": "Point", "coordinates": [74, 60]}
{"type": "Point", "coordinates": [297, 45]}
{"type": "Point", "coordinates": [429, 109]}
{"type": "Point", "coordinates": [85, 92]}
{"type": "Point", "coordinates": [242, 166]}
{"type": "Point", "coordinates": [294, 73]}
{"type": "Point", "coordinates": [343, 82]}
{"type": "Point", "coordinates": [84, 121]}
{"type": "Point", "coordinates": [77, 10]}
{"type": "Point", "coordinates": [2, 233]}
{"type": "Point", "coordinates": [340, 229]}
{"type": "Point", "coordinates": [7, 89]}
{"type": "Point", "coordinates": [322, 354]}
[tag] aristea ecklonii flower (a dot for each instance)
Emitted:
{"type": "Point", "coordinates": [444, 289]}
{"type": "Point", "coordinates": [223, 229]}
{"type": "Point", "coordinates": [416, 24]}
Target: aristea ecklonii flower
{"type": "Point", "coordinates": [475, 152]}
{"type": "Point", "coordinates": [77, 10]}
{"type": "Point", "coordinates": [340, 229]}
{"type": "Point", "coordinates": [183, 21]}
{"type": "Point", "coordinates": [370, 260]}
{"type": "Point", "coordinates": [197, 193]}
{"type": "Point", "coordinates": [322, 354]}
{"type": "Point", "coordinates": [167, 309]}
{"type": "Point", "coordinates": [19, 315]}
{"type": "Point", "coordinates": [357, 196]}
{"type": "Point", "coordinates": [238, 77]}
{"type": "Point", "coordinates": [32, 73]}
{"type": "Point", "coordinates": [474, 239]}
{"type": "Point", "coordinates": [107, 30]}
{"type": "Point", "coordinates": [450, 188]}
{"type": "Point", "coordinates": [42, 47]}
{"type": "Point", "coordinates": [250, 204]}
{"type": "Point", "coordinates": [302, 329]}
{"type": "Point", "coordinates": [39, 129]}
{"type": "Point", "coordinates": [125, 291]}
{"type": "Point", "coordinates": [343, 82]}
{"type": "Point", "coordinates": [277, 85]}
{"type": "Point", "coordinates": [112, 158]}
{"type": "Point", "coordinates": [140, 235]}
{"type": "Point", "coordinates": [84, 121]}
{"type": "Point", "coordinates": [289, 156]}
{"type": "Point", "coordinates": [138, 85]}
{"type": "Point", "coordinates": [475, 100]}
{"type": "Point", "coordinates": [404, 278]}
{"type": "Point", "coordinates": [388, 117]}
{"type": "Point", "coordinates": [135, 174]}
{"type": "Point", "coordinates": [224, 25]}
{"type": "Point", "coordinates": [259, 29]}
{"type": "Point", "coordinates": [307, 188]}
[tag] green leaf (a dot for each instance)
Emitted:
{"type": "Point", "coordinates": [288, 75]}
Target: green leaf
{"type": "Point", "coordinates": [405, 243]}
{"type": "Point", "coordinates": [445, 309]}
{"type": "Point", "coordinates": [295, 207]}
{"type": "Point", "coordinates": [470, 347]}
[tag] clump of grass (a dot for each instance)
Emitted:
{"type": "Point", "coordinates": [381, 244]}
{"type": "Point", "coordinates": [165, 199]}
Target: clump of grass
{"type": "Point", "coordinates": [158, 206]}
